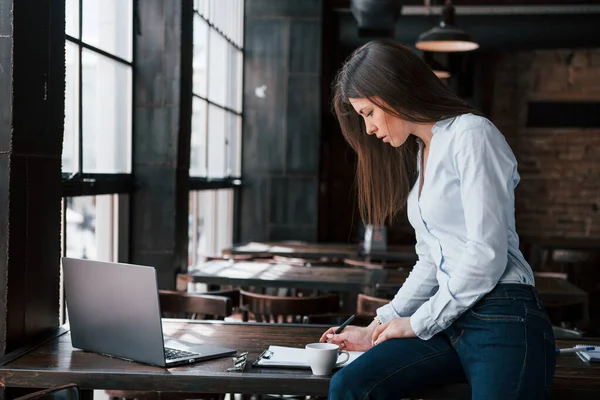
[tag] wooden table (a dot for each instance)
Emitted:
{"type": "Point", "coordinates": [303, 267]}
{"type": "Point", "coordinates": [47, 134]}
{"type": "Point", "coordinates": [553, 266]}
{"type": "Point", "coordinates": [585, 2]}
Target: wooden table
{"type": "Point", "coordinates": [337, 251]}
{"type": "Point", "coordinates": [538, 249]}
{"type": "Point", "coordinates": [348, 281]}
{"type": "Point", "coordinates": [294, 249]}
{"type": "Point", "coordinates": [57, 363]}
{"type": "Point", "coordinates": [262, 274]}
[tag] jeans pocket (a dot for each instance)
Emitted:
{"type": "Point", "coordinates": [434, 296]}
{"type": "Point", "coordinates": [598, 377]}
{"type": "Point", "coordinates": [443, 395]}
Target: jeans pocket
{"type": "Point", "coordinates": [538, 324]}
{"type": "Point", "coordinates": [498, 310]}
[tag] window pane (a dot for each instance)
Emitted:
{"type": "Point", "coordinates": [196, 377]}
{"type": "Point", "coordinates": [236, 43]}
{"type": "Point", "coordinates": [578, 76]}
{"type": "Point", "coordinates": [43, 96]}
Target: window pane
{"type": "Point", "coordinates": [216, 142]}
{"type": "Point", "coordinates": [211, 223]}
{"type": "Point", "coordinates": [70, 155]}
{"type": "Point", "coordinates": [90, 227]}
{"type": "Point", "coordinates": [200, 56]}
{"type": "Point", "coordinates": [72, 17]}
{"type": "Point", "coordinates": [211, 11]}
{"type": "Point", "coordinates": [81, 227]}
{"type": "Point", "coordinates": [241, 24]}
{"type": "Point", "coordinates": [203, 8]}
{"type": "Point", "coordinates": [108, 25]}
{"type": "Point", "coordinates": [198, 147]}
{"type": "Point", "coordinates": [240, 81]}
{"type": "Point", "coordinates": [234, 145]}
{"type": "Point", "coordinates": [232, 83]}
{"type": "Point", "coordinates": [106, 107]}
{"type": "Point", "coordinates": [217, 68]}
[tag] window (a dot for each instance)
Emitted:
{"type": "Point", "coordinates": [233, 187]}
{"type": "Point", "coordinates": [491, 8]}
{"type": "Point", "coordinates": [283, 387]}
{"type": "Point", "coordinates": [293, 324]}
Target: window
{"type": "Point", "coordinates": [210, 223]}
{"type": "Point", "coordinates": [96, 159]}
{"type": "Point", "coordinates": [98, 121]}
{"type": "Point", "coordinates": [215, 158]}
{"type": "Point", "coordinates": [98, 103]}
{"type": "Point", "coordinates": [217, 90]}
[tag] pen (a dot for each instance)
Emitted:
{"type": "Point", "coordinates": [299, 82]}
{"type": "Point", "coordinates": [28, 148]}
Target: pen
{"type": "Point", "coordinates": [575, 349]}
{"type": "Point", "coordinates": [342, 326]}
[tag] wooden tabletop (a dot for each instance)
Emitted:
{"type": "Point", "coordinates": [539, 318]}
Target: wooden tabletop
{"type": "Point", "coordinates": [57, 363]}
{"type": "Point", "coordinates": [296, 249]}
{"type": "Point", "coordinates": [328, 250]}
{"type": "Point", "coordinates": [263, 274]}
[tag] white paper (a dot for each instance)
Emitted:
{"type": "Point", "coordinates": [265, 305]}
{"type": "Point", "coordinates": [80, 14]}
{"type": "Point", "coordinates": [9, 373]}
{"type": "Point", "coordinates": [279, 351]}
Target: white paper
{"type": "Point", "coordinates": [295, 357]}
{"type": "Point", "coordinates": [589, 355]}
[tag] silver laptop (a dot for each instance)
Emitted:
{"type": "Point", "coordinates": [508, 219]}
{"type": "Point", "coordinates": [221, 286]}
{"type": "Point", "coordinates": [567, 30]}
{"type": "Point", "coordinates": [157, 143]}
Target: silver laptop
{"type": "Point", "coordinates": [114, 310]}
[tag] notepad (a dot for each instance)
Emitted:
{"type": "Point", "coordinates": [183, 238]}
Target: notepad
{"type": "Point", "coordinates": [589, 355]}
{"type": "Point", "coordinates": [292, 357]}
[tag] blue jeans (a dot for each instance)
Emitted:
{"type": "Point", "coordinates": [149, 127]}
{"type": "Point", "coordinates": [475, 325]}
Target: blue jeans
{"type": "Point", "coordinates": [503, 347]}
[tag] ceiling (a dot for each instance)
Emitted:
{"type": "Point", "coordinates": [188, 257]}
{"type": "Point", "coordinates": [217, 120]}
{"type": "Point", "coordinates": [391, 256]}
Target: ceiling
{"type": "Point", "coordinates": [495, 25]}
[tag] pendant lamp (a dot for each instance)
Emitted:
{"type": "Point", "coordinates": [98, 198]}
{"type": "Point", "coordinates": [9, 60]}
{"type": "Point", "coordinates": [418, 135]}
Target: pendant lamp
{"type": "Point", "coordinates": [446, 37]}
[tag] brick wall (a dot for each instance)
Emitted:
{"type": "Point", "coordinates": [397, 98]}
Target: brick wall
{"type": "Point", "coordinates": [559, 193]}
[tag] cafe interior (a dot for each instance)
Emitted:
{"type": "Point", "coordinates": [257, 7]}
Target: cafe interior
{"type": "Point", "coordinates": [197, 137]}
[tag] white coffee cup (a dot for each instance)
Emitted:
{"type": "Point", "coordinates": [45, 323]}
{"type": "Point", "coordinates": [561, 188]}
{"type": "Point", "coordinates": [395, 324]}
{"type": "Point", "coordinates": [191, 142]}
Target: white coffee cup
{"type": "Point", "coordinates": [322, 357]}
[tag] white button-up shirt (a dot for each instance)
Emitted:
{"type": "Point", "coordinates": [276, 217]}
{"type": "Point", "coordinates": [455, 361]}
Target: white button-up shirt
{"type": "Point", "coordinates": [464, 222]}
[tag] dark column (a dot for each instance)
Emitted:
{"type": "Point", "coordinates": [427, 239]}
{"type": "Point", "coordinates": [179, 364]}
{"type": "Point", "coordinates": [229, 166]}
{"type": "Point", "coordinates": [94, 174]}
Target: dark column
{"type": "Point", "coordinates": [161, 137]}
{"type": "Point", "coordinates": [32, 83]}
{"type": "Point", "coordinates": [282, 119]}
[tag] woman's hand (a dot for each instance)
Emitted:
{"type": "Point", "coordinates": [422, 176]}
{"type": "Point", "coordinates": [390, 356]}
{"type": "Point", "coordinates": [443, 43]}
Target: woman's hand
{"type": "Point", "coordinates": [395, 328]}
{"type": "Point", "coordinates": [352, 337]}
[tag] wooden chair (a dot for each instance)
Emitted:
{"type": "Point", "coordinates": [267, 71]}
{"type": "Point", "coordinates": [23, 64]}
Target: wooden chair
{"type": "Point", "coordinates": [67, 392]}
{"type": "Point", "coordinates": [366, 308]}
{"type": "Point", "coordinates": [187, 306]}
{"type": "Point", "coordinates": [194, 306]}
{"type": "Point", "coordinates": [368, 305]}
{"type": "Point", "coordinates": [277, 309]}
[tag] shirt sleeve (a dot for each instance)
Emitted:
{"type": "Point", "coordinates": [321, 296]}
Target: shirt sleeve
{"type": "Point", "coordinates": [485, 166]}
{"type": "Point", "coordinates": [419, 286]}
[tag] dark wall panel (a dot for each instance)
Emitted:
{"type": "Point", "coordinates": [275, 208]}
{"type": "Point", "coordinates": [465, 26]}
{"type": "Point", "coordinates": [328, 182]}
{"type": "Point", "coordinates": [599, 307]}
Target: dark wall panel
{"type": "Point", "coordinates": [32, 84]}
{"type": "Point", "coordinates": [283, 8]}
{"type": "Point", "coordinates": [303, 124]}
{"type": "Point", "coordinates": [292, 233]}
{"type": "Point", "coordinates": [282, 119]}
{"type": "Point", "coordinates": [265, 65]}
{"type": "Point", "coordinates": [293, 201]}
{"type": "Point", "coordinates": [254, 208]}
{"type": "Point", "coordinates": [161, 138]}
{"type": "Point", "coordinates": [42, 310]}
{"type": "Point", "coordinates": [305, 45]}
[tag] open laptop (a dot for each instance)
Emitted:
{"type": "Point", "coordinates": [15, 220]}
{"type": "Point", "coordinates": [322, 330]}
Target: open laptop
{"type": "Point", "coordinates": [114, 309]}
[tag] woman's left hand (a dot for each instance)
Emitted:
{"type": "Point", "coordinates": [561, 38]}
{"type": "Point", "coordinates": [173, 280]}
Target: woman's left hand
{"type": "Point", "coordinates": [395, 328]}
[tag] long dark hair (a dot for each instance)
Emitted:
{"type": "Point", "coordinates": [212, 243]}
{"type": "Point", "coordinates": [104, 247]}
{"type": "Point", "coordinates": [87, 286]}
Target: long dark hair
{"type": "Point", "coordinates": [395, 79]}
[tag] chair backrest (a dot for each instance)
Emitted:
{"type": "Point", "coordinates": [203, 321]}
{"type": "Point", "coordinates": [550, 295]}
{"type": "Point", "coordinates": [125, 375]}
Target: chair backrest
{"type": "Point", "coordinates": [280, 309]}
{"type": "Point", "coordinates": [368, 305]}
{"type": "Point", "coordinates": [233, 294]}
{"type": "Point", "coordinates": [194, 306]}
{"type": "Point", "coordinates": [67, 392]}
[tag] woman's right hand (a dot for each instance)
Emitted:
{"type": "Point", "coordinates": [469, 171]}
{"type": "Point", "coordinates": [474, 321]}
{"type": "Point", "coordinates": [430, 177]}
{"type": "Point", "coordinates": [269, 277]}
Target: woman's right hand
{"type": "Point", "coordinates": [354, 338]}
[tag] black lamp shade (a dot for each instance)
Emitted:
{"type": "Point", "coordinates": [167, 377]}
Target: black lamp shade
{"type": "Point", "coordinates": [446, 37]}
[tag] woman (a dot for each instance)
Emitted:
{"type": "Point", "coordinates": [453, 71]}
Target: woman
{"type": "Point", "coordinates": [468, 312]}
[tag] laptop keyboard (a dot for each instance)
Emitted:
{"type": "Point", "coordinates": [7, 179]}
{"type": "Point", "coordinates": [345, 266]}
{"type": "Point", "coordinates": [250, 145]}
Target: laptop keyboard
{"type": "Point", "coordinates": [173, 354]}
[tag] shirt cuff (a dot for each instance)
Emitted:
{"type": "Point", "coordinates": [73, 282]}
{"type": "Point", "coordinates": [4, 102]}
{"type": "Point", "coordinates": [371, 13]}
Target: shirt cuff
{"type": "Point", "coordinates": [423, 325]}
{"type": "Point", "coordinates": [386, 313]}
